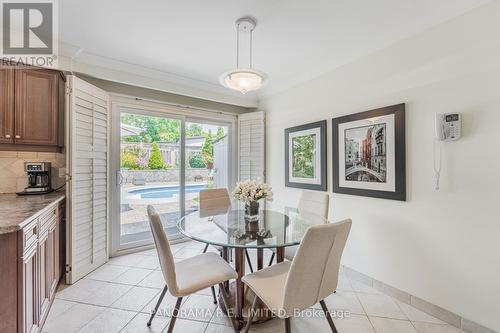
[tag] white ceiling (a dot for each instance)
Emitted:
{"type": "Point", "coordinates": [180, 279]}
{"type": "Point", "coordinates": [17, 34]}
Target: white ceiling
{"type": "Point", "coordinates": [191, 42]}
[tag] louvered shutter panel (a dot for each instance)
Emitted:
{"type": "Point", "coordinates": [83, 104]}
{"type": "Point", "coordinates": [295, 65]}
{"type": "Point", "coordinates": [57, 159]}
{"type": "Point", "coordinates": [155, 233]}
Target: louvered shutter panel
{"type": "Point", "coordinates": [88, 167]}
{"type": "Point", "coordinates": [251, 138]}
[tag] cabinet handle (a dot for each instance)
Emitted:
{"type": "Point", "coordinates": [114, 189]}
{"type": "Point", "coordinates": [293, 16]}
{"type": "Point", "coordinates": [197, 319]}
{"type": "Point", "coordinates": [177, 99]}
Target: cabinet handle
{"type": "Point", "coordinates": [7, 136]}
{"type": "Point", "coordinates": [18, 136]}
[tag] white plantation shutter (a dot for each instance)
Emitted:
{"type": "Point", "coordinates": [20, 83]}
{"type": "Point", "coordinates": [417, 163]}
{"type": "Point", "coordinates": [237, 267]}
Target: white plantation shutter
{"type": "Point", "coordinates": [88, 167]}
{"type": "Point", "coordinates": [251, 138]}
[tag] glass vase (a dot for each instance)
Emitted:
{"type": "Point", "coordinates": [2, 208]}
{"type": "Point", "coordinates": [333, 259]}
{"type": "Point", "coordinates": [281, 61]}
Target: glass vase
{"type": "Point", "coordinates": [252, 211]}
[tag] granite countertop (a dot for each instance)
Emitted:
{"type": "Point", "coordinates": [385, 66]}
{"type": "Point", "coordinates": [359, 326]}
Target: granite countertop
{"type": "Point", "coordinates": [16, 211]}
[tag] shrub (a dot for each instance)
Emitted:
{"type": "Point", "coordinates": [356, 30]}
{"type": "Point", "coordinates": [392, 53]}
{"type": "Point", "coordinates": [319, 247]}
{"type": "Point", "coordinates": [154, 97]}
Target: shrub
{"type": "Point", "coordinates": [155, 159]}
{"type": "Point", "coordinates": [196, 161]}
{"type": "Point", "coordinates": [129, 161]}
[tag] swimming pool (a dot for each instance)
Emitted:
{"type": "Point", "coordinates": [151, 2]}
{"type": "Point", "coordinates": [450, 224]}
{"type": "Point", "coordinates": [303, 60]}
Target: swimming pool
{"type": "Point", "coordinates": [165, 191]}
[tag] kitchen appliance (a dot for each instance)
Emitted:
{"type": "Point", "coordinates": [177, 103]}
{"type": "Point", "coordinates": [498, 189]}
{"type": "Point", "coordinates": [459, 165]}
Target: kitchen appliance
{"type": "Point", "coordinates": [38, 178]}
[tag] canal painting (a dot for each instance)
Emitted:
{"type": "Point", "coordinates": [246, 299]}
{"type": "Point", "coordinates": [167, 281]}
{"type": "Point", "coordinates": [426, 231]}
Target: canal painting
{"type": "Point", "coordinates": [369, 153]}
{"type": "Point", "coordinates": [365, 153]}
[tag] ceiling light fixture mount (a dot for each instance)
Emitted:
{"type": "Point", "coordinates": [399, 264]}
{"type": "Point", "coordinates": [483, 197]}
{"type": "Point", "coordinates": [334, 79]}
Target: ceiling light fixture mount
{"type": "Point", "coordinates": [243, 79]}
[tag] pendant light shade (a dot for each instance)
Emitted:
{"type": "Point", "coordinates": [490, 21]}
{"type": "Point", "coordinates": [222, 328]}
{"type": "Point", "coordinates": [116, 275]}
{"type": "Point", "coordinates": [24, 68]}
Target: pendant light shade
{"type": "Point", "coordinates": [243, 80]}
{"type": "Point", "coordinates": [248, 79]}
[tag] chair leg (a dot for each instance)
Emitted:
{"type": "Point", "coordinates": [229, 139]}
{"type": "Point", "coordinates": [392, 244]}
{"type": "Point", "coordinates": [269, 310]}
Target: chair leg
{"type": "Point", "coordinates": [228, 310]}
{"type": "Point", "coordinates": [251, 314]}
{"type": "Point", "coordinates": [328, 316]}
{"type": "Point", "coordinates": [249, 261]}
{"type": "Point", "coordinates": [157, 305]}
{"type": "Point", "coordinates": [205, 249]}
{"type": "Point", "coordinates": [174, 315]}
{"type": "Point", "coordinates": [271, 261]}
{"type": "Point", "coordinates": [287, 325]}
{"type": "Point", "coordinates": [213, 294]}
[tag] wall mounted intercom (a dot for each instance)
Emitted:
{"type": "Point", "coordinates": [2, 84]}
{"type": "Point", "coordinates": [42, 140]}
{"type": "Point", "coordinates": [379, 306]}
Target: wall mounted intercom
{"type": "Point", "coordinates": [448, 128]}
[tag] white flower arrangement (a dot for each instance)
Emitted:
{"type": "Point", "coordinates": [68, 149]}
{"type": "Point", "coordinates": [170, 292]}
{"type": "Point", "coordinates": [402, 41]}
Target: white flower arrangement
{"type": "Point", "coordinates": [251, 190]}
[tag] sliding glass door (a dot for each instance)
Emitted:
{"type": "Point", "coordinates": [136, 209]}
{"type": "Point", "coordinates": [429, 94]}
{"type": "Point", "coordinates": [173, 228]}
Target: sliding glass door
{"type": "Point", "coordinates": [149, 175]}
{"type": "Point", "coordinates": [207, 159]}
{"type": "Point", "coordinates": [162, 160]}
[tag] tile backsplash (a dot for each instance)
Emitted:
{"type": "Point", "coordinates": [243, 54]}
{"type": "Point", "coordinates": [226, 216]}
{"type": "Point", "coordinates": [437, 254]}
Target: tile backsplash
{"type": "Point", "coordinates": [12, 176]}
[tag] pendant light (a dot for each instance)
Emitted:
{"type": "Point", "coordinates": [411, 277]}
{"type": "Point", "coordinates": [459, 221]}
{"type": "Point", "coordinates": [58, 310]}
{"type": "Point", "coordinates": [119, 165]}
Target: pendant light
{"type": "Point", "coordinates": [243, 79]}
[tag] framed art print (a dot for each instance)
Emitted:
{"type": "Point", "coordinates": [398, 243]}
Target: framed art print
{"type": "Point", "coordinates": [305, 156]}
{"type": "Point", "coordinates": [369, 153]}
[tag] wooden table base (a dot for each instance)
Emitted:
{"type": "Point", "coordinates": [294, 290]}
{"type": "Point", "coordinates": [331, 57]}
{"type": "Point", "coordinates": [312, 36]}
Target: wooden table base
{"type": "Point", "coordinates": [240, 298]}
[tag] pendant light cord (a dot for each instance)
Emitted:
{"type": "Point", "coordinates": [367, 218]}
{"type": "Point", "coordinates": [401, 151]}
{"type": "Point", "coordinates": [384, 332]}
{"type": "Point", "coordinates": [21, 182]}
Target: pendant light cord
{"type": "Point", "coordinates": [251, 43]}
{"type": "Point", "coordinates": [238, 46]}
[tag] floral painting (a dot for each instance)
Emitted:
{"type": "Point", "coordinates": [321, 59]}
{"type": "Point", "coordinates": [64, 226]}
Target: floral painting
{"type": "Point", "coordinates": [303, 153]}
{"type": "Point", "coordinates": [305, 160]}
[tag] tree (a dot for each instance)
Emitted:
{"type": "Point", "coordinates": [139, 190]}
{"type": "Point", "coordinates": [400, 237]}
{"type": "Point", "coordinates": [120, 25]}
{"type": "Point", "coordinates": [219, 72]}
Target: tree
{"type": "Point", "coordinates": [208, 147]}
{"type": "Point", "coordinates": [155, 128]}
{"type": "Point", "coordinates": [220, 133]}
{"type": "Point", "coordinates": [194, 130]}
{"type": "Point", "coordinates": [155, 159]}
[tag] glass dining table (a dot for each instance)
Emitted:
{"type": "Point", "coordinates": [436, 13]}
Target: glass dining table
{"type": "Point", "coordinates": [229, 230]}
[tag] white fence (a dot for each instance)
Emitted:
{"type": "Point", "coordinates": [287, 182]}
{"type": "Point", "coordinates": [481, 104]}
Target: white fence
{"type": "Point", "coordinates": [164, 176]}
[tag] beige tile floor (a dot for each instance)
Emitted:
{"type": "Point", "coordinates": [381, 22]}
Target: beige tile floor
{"type": "Point", "coordinates": [119, 296]}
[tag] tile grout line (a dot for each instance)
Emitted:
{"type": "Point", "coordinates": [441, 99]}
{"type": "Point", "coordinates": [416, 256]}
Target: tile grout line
{"type": "Point", "coordinates": [131, 286]}
{"type": "Point", "coordinates": [128, 322]}
{"type": "Point", "coordinates": [363, 307]}
{"type": "Point", "coordinates": [121, 330]}
{"type": "Point", "coordinates": [113, 308]}
{"type": "Point", "coordinates": [361, 277]}
{"type": "Point", "coordinates": [411, 322]}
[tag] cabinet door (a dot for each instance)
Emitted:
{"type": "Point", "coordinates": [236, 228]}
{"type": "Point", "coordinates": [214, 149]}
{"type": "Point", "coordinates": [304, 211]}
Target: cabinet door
{"type": "Point", "coordinates": [28, 292]}
{"type": "Point", "coordinates": [6, 105]}
{"type": "Point", "coordinates": [44, 253]}
{"type": "Point", "coordinates": [52, 274]}
{"type": "Point", "coordinates": [36, 107]}
{"type": "Point", "coordinates": [61, 241]}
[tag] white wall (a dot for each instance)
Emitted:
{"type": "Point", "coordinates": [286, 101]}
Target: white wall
{"type": "Point", "coordinates": [441, 246]}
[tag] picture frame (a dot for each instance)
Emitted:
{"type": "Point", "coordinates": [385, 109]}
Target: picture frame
{"type": "Point", "coordinates": [306, 156]}
{"type": "Point", "coordinates": [369, 153]}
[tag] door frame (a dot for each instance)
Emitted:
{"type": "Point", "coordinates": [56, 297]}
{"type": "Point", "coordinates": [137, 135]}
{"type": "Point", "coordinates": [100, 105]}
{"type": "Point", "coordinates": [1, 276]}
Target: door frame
{"type": "Point", "coordinates": [119, 104]}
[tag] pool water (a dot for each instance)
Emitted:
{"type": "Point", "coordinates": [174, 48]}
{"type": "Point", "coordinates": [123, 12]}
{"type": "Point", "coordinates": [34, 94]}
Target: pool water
{"type": "Point", "coordinates": [166, 191]}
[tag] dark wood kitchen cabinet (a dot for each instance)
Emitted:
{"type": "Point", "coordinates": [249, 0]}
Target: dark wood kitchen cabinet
{"type": "Point", "coordinates": [32, 109]}
{"type": "Point", "coordinates": [30, 270]}
{"type": "Point", "coordinates": [6, 105]}
{"type": "Point", "coordinates": [28, 318]}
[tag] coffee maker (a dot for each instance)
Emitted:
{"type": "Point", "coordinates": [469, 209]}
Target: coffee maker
{"type": "Point", "coordinates": [38, 178]}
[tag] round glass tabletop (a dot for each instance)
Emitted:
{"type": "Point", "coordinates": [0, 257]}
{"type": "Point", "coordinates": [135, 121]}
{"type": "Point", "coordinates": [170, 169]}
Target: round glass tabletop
{"type": "Point", "coordinates": [228, 228]}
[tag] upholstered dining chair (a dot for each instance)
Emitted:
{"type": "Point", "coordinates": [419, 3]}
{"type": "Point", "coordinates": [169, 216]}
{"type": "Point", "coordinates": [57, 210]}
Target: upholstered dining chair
{"type": "Point", "coordinates": [311, 202]}
{"type": "Point", "coordinates": [188, 276]}
{"type": "Point", "coordinates": [293, 286]}
{"type": "Point", "coordinates": [213, 199]}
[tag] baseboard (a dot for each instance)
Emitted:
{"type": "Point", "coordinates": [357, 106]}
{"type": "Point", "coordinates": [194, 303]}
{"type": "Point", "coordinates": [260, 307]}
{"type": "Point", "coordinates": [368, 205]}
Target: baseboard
{"type": "Point", "coordinates": [436, 311]}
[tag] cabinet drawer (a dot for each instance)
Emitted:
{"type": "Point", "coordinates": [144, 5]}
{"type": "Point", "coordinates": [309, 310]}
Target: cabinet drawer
{"type": "Point", "coordinates": [47, 219]}
{"type": "Point", "coordinates": [30, 235]}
